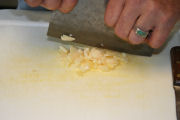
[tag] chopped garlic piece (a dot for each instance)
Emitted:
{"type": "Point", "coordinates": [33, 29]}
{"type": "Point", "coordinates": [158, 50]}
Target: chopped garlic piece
{"type": "Point", "coordinates": [67, 38]}
{"type": "Point", "coordinates": [96, 54]}
{"type": "Point", "coordinates": [73, 49]}
{"type": "Point", "coordinates": [102, 45]}
{"type": "Point", "coordinates": [86, 52]}
{"type": "Point", "coordinates": [84, 68]}
{"type": "Point", "coordinates": [88, 59]}
{"type": "Point", "coordinates": [124, 54]}
{"type": "Point", "coordinates": [63, 49]}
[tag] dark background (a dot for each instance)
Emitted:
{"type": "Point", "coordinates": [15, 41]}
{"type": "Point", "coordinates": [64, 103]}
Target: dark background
{"type": "Point", "coordinates": [8, 4]}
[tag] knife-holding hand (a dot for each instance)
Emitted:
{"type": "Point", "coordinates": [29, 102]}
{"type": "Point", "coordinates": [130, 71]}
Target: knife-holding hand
{"type": "Point", "coordinates": [138, 21]}
{"type": "Point", "coordinates": [64, 6]}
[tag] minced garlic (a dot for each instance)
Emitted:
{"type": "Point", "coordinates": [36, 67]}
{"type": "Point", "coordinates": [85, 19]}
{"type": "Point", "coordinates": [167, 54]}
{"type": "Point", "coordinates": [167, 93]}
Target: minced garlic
{"type": "Point", "coordinates": [67, 38]}
{"type": "Point", "coordinates": [91, 58]}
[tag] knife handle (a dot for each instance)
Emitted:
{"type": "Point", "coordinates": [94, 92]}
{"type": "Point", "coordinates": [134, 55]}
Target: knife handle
{"type": "Point", "coordinates": [175, 63]}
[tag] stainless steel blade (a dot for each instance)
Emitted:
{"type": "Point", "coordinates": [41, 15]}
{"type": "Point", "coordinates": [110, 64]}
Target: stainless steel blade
{"type": "Point", "coordinates": [86, 24]}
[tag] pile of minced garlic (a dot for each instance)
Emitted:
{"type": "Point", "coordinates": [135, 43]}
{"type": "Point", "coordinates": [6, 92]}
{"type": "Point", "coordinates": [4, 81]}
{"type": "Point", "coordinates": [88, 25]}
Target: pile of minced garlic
{"type": "Point", "coordinates": [87, 59]}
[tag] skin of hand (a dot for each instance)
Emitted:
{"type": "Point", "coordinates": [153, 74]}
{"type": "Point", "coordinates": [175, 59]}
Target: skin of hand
{"type": "Point", "coordinates": [157, 16]}
{"type": "Point", "coordinates": [64, 6]}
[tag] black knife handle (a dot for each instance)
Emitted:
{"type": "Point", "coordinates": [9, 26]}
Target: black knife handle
{"type": "Point", "coordinates": [175, 63]}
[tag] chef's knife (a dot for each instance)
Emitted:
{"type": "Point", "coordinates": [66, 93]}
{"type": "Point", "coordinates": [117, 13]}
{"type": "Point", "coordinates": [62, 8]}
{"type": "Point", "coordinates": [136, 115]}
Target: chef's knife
{"type": "Point", "coordinates": [86, 24]}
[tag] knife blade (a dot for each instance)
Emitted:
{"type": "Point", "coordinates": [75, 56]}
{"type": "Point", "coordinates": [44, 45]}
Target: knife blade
{"type": "Point", "coordinates": [86, 24]}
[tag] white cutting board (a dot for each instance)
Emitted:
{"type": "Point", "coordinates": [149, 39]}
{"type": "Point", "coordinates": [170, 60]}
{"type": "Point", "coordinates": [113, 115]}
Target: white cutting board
{"type": "Point", "coordinates": [34, 86]}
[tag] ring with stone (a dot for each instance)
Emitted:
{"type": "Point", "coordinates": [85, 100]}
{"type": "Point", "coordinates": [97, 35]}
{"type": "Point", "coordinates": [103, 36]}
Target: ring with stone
{"type": "Point", "coordinates": [141, 33]}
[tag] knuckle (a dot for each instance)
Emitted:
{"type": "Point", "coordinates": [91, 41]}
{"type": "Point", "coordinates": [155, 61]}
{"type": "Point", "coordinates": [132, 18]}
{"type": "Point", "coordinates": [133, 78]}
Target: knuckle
{"type": "Point", "coordinates": [65, 10]}
{"type": "Point", "coordinates": [52, 5]}
{"type": "Point", "coordinates": [155, 45]}
{"type": "Point", "coordinates": [108, 21]}
{"type": "Point", "coordinates": [131, 39]}
{"type": "Point", "coordinates": [32, 3]}
{"type": "Point", "coordinates": [51, 8]}
{"type": "Point", "coordinates": [157, 42]}
{"type": "Point", "coordinates": [67, 6]}
{"type": "Point", "coordinates": [153, 7]}
{"type": "Point", "coordinates": [110, 18]}
{"type": "Point", "coordinates": [120, 34]}
{"type": "Point", "coordinates": [134, 40]}
{"type": "Point", "coordinates": [70, 3]}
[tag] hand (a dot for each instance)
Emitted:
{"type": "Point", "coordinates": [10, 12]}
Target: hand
{"type": "Point", "coordinates": [64, 6]}
{"type": "Point", "coordinates": [155, 16]}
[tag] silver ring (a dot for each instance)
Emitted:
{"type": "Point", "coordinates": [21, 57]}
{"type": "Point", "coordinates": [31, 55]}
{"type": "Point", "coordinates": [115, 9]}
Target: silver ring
{"type": "Point", "coordinates": [141, 33]}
